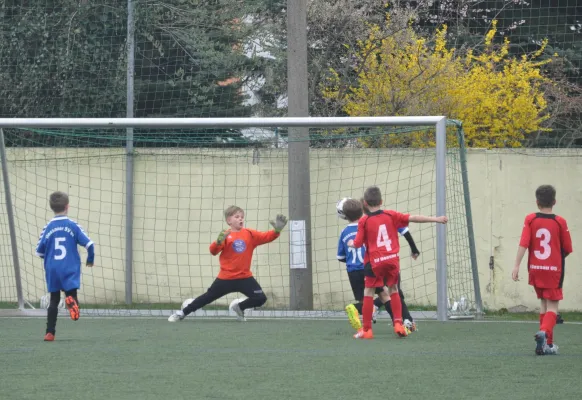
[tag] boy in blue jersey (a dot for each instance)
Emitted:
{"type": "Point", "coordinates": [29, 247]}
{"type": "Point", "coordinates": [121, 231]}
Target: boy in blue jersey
{"type": "Point", "coordinates": [355, 259]}
{"type": "Point", "coordinates": [57, 245]}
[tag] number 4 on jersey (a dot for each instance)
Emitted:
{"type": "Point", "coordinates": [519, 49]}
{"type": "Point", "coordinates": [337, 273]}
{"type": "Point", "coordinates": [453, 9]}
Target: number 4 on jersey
{"type": "Point", "coordinates": [383, 240]}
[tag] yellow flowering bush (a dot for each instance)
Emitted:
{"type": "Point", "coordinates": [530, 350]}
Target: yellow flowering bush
{"type": "Point", "coordinates": [498, 97]}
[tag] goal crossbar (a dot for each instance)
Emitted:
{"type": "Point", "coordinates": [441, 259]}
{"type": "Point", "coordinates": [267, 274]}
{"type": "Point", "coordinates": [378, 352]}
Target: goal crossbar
{"type": "Point", "coordinates": [305, 122]}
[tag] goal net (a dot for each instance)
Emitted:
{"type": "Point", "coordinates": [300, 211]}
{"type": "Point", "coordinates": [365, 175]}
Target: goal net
{"type": "Point", "coordinates": [182, 179]}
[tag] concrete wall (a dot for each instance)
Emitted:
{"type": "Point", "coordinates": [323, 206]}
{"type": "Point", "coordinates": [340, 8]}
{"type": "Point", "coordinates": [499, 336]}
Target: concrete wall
{"type": "Point", "coordinates": [502, 188]}
{"type": "Point", "coordinates": [180, 195]}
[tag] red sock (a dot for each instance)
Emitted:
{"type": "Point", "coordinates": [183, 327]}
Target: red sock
{"type": "Point", "coordinates": [550, 337]}
{"type": "Point", "coordinates": [542, 319]}
{"type": "Point", "coordinates": [367, 310]}
{"type": "Point", "coordinates": [548, 325]}
{"type": "Point", "coordinates": [550, 334]}
{"type": "Point", "coordinates": [396, 304]}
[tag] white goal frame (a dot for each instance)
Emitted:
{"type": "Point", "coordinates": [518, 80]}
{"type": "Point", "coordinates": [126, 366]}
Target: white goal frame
{"type": "Point", "coordinates": [438, 122]}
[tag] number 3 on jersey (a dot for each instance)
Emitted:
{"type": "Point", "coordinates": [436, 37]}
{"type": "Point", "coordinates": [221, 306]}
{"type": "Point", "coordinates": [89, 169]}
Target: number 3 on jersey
{"type": "Point", "coordinates": [60, 248]}
{"type": "Point", "coordinates": [383, 240]}
{"type": "Point", "coordinates": [545, 237]}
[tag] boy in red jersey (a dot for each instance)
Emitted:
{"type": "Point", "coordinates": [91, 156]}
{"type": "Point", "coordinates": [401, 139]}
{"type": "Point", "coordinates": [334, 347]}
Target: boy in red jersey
{"type": "Point", "coordinates": [378, 231]}
{"type": "Point", "coordinates": [236, 246]}
{"type": "Point", "coordinates": [546, 237]}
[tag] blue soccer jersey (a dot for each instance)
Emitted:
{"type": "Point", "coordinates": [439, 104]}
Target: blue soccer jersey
{"type": "Point", "coordinates": [57, 245]}
{"type": "Point", "coordinates": [354, 258]}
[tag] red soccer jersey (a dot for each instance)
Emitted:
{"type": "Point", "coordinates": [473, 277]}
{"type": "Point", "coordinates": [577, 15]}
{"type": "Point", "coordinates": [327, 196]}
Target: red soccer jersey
{"type": "Point", "coordinates": [548, 241]}
{"type": "Point", "coordinates": [379, 232]}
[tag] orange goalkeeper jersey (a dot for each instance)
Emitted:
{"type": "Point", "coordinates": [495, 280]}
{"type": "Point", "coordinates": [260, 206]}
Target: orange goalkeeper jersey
{"type": "Point", "coordinates": [236, 252]}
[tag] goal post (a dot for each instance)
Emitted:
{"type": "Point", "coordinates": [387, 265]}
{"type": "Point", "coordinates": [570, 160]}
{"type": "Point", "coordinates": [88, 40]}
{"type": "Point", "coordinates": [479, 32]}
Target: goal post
{"type": "Point", "coordinates": [357, 152]}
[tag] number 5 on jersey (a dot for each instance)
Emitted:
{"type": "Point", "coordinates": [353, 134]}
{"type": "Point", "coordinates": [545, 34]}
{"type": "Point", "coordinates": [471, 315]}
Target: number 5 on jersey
{"type": "Point", "coordinates": [383, 240]}
{"type": "Point", "coordinates": [60, 248]}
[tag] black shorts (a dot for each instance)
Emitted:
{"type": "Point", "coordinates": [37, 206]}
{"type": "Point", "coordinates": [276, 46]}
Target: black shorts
{"type": "Point", "coordinates": [357, 283]}
{"type": "Point", "coordinates": [247, 286]}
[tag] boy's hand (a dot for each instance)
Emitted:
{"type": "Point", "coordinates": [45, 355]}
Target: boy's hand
{"type": "Point", "coordinates": [222, 236]}
{"type": "Point", "coordinates": [515, 273]}
{"type": "Point", "coordinates": [89, 264]}
{"type": "Point", "coordinates": [415, 255]}
{"type": "Point", "coordinates": [279, 223]}
{"type": "Point", "coordinates": [350, 243]}
{"type": "Point", "coordinates": [441, 220]}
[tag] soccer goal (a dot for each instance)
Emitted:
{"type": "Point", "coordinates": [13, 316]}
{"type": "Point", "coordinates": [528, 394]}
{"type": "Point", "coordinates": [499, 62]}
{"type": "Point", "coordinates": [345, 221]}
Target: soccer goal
{"type": "Point", "coordinates": [151, 194]}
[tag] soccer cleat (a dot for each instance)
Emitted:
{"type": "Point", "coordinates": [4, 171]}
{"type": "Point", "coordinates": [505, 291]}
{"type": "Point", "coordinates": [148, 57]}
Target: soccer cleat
{"type": "Point", "coordinates": [551, 349]}
{"type": "Point", "coordinates": [72, 307]}
{"type": "Point", "coordinates": [362, 334]}
{"type": "Point", "coordinates": [400, 330]}
{"type": "Point", "coordinates": [177, 316]}
{"type": "Point", "coordinates": [410, 325]}
{"type": "Point", "coordinates": [235, 307]}
{"type": "Point", "coordinates": [375, 314]}
{"type": "Point", "coordinates": [49, 337]}
{"type": "Point", "coordinates": [354, 317]}
{"type": "Point", "coordinates": [540, 339]}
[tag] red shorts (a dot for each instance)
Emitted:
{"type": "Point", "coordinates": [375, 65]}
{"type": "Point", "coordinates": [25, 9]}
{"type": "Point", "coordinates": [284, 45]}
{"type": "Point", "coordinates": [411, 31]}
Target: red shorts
{"type": "Point", "coordinates": [549, 294]}
{"type": "Point", "coordinates": [381, 275]}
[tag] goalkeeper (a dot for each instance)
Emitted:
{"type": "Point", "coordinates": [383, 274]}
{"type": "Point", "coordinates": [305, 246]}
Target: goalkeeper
{"type": "Point", "coordinates": [355, 259]}
{"type": "Point", "coordinates": [235, 246]}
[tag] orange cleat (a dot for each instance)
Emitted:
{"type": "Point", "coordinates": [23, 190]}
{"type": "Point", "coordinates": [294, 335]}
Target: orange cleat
{"type": "Point", "coordinates": [362, 334]}
{"type": "Point", "coordinates": [72, 307]}
{"type": "Point", "coordinates": [400, 330]}
{"type": "Point", "coordinates": [49, 337]}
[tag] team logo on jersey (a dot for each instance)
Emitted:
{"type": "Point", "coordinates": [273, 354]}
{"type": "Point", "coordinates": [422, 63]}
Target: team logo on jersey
{"type": "Point", "coordinates": [239, 246]}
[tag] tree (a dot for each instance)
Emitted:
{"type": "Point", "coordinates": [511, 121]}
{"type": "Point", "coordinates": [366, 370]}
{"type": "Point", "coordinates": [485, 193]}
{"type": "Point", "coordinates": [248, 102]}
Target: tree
{"type": "Point", "coordinates": [335, 27]}
{"type": "Point", "coordinates": [62, 60]}
{"type": "Point", "coordinates": [498, 97]}
{"type": "Point", "coordinates": [68, 59]}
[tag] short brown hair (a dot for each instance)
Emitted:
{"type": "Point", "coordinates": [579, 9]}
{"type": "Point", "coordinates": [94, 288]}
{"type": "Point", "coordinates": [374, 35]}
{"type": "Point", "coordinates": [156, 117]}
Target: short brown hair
{"type": "Point", "coordinates": [546, 196]}
{"type": "Point", "coordinates": [366, 210]}
{"type": "Point", "coordinates": [353, 210]}
{"type": "Point", "coordinates": [373, 196]}
{"type": "Point", "coordinates": [59, 201]}
{"type": "Point", "coordinates": [230, 211]}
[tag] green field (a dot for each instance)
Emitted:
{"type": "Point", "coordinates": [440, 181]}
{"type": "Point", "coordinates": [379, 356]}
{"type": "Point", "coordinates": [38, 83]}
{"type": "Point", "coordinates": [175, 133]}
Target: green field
{"type": "Point", "coordinates": [282, 359]}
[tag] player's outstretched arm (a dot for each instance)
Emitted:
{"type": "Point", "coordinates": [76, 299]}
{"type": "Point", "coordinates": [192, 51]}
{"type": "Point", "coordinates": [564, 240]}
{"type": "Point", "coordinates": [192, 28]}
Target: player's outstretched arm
{"type": "Point", "coordinates": [341, 250]}
{"type": "Point", "coordinates": [360, 234]}
{"type": "Point", "coordinates": [84, 240]}
{"type": "Point", "coordinates": [413, 248]}
{"type": "Point", "coordinates": [520, 253]}
{"type": "Point", "coordinates": [91, 255]}
{"type": "Point", "coordinates": [565, 237]}
{"type": "Point", "coordinates": [423, 219]}
{"type": "Point", "coordinates": [217, 246]}
{"type": "Point", "coordinates": [278, 224]}
{"type": "Point", "coordinates": [41, 246]}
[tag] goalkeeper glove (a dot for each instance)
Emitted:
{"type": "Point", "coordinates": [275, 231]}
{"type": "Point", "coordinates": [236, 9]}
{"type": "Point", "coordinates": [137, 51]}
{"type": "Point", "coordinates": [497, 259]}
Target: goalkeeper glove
{"type": "Point", "coordinates": [222, 236]}
{"type": "Point", "coordinates": [279, 223]}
